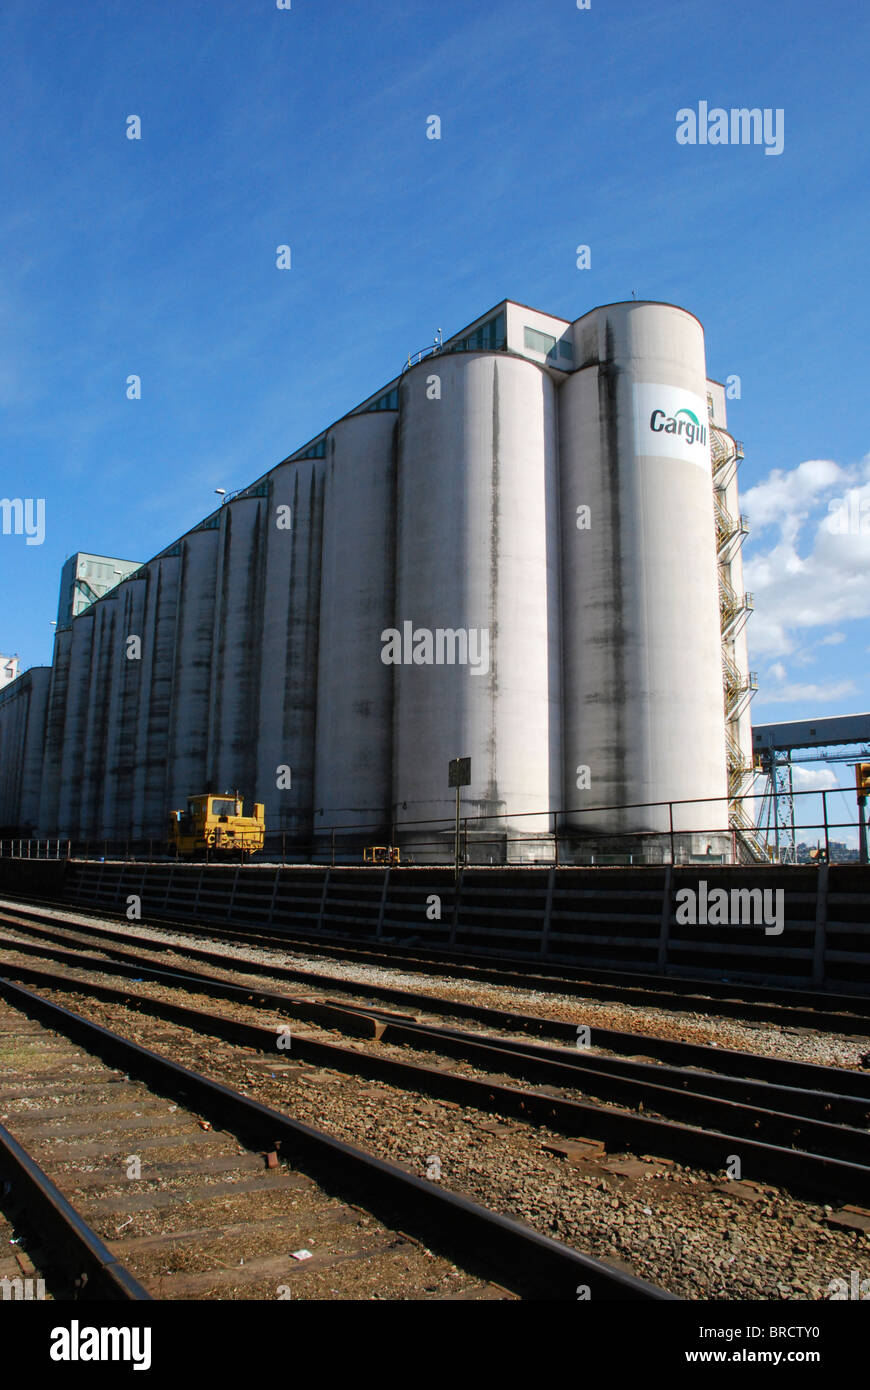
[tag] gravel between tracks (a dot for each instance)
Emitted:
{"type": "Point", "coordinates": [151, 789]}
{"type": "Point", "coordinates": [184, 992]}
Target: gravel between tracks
{"type": "Point", "coordinates": [689, 1025]}
{"type": "Point", "coordinates": [667, 1223]}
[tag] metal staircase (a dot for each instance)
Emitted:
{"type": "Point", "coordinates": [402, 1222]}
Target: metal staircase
{"type": "Point", "coordinates": [734, 610]}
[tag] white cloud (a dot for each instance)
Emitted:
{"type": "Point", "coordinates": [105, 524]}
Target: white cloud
{"type": "Point", "coordinates": [785, 497]}
{"type": "Point", "coordinates": [794, 692]}
{"type": "Point", "coordinates": [821, 581]}
{"type": "Point", "coordinates": [809, 779]}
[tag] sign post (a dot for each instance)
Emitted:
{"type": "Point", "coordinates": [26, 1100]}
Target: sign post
{"type": "Point", "coordinates": [458, 776]}
{"type": "Point", "coordinates": [862, 786]}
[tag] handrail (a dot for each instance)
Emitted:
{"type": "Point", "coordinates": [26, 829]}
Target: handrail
{"type": "Point", "coordinates": [420, 355]}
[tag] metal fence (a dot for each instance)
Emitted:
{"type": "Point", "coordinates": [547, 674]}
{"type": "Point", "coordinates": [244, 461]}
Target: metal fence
{"type": "Point", "coordinates": [490, 839]}
{"type": "Point", "coordinates": [21, 848]}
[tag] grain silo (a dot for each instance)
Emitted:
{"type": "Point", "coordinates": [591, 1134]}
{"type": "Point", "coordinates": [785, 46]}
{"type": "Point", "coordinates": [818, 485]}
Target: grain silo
{"type": "Point", "coordinates": [643, 704]}
{"type": "Point", "coordinates": [121, 740]}
{"type": "Point", "coordinates": [286, 707]}
{"type": "Point", "coordinates": [353, 747]}
{"type": "Point", "coordinates": [159, 624]}
{"type": "Point", "coordinates": [523, 551]}
{"type": "Point", "coordinates": [477, 599]}
{"type": "Point", "coordinates": [236, 670]}
{"type": "Point", "coordinates": [194, 639]}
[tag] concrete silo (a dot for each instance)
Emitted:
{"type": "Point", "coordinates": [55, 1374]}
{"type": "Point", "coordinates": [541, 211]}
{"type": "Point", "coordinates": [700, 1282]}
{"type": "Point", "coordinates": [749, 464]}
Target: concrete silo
{"type": "Point", "coordinates": [103, 674]}
{"type": "Point", "coordinates": [158, 673]}
{"type": "Point", "coordinates": [235, 673]}
{"type": "Point", "coordinates": [194, 635]}
{"type": "Point", "coordinates": [643, 703]}
{"type": "Point", "coordinates": [75, 726]}
{"type": "Point", "coordinates": [353, 768]}
{"type": "Point", "coordinates": [288, 690]}
{"type": "Point", "coordinates": [49, 797]}
{"type": "Point", "coordinates": [121, 735]}
{"type": "Point", "coordinates": [14, 702]}
{"type": "Point", "coordinates": [23, 708]}
{"type": "Point", "coordinates": [477, 595]}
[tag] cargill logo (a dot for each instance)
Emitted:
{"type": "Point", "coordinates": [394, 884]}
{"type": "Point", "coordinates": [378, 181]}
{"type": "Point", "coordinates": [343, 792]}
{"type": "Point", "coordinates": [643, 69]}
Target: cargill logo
{"type": "Point", "coordinates": [683, 422]}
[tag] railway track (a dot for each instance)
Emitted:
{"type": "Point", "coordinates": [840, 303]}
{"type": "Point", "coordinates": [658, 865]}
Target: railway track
{"type": "Point", "coordinates": [811, 1139]}
{"type": "Point", "coordinates": [80, 1264]}
{"type": "Point", "coordinates": [228, 1197]}
{"type": "Point", "coordinates": [793, 1008]}
{"type": "Point", "coordinates": [47, 925]}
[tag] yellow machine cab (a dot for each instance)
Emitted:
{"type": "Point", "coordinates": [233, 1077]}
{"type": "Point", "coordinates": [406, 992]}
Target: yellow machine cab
{"type": "Point", "coordinates": [215, 823]}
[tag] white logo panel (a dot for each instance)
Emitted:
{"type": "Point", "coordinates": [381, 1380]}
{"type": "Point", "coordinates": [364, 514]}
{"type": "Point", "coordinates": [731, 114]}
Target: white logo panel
{"type": "Point", "coordinates": [671, 423]}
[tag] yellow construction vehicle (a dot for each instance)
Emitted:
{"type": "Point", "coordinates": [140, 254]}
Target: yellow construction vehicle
{"type": "Point", "coordinates": [215, 825]}
{"type": "Point", "coordinates": [381, 854]}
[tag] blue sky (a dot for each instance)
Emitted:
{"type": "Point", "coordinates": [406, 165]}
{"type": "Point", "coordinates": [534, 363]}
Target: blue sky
{"type": "Point", "coordinates": [262, 127]}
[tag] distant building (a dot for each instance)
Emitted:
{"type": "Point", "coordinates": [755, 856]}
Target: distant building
{"type": "Point", "coordinates": [8, 670]}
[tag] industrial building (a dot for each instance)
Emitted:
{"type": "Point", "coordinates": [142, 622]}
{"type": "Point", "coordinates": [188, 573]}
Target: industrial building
{"type": "Point", "coordinates": [524, 550]}
{"type": "Point", "coordinates": [85, 578]}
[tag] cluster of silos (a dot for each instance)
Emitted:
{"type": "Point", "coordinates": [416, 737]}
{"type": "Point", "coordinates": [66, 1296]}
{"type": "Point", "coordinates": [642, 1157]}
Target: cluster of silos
{"type": "Point", "coordinates": [23, 708]}
{"type": "Point", "coordinates": [499, 561]}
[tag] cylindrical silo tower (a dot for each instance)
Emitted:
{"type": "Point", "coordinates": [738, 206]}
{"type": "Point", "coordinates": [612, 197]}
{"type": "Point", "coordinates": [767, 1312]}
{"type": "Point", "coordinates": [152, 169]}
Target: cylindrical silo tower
{"type": "Point", "coordinates": [14, 700]}
{"type": "Point", "coordinates": [353, 777]}
{"type": "Point", "coordinates": [476, 623]}
{"type": "Point", "coordinates": [643, 702]}
{"type": "Point", "coordinates": [49, 798]}
{"type": "Point", "coordinates": [194, 638]}
{"type": "Point", "coordinates": [103, 671]}
{"type": "Point", "coordinates": [288, 688]}
{"type": "Point", "coordinates": [39, 678]}
{"type": "Point", "coordinates": [23, 707]}
{"type": "Point", "coordinates": [158, 669]}
{"type": "Point", "coordinates": [75, 725]}
{"type": "Point", "coordinates": [236, 667]}
{"type": "Point", "coordinates": [123, 710]}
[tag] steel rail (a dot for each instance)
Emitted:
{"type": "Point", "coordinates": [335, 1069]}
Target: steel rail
{"type": "Point", "coordinates": [728, 1061]}
{"type": "Point", "coordinates": [97, 1272]}
{"type": "Point", "coordinates": [799, 1007]}
{"type": "Point", "coordinates": [732, 1062]}
{"type": "Point", "coordinates": [510, 1253]}
{"type": "Point", "coordinates": [805, 1170]}
{"type": "Point", "coordinates": [546, 1064]}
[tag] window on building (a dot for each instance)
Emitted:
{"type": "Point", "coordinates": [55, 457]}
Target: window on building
{"type": "Point", "coordinates": [317, 450]}
{"type": "Point", "coordinates": [389, 401]}
{"type": "Point", "coordinates": [539, 342]}
{"type": "Point", "coordinates": [487, 337]}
